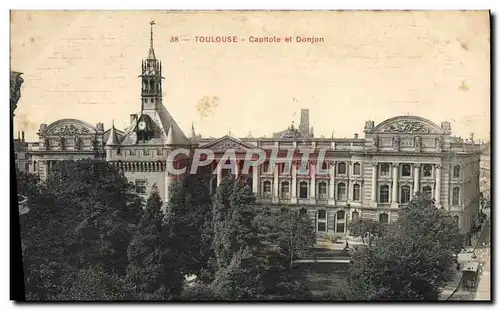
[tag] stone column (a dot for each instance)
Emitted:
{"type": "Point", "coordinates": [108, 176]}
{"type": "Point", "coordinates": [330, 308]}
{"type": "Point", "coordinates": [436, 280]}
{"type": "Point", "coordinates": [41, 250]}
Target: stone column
{"type": "Point", "coordinates": [331, 188]}
{"type": "Point", "coordinates": [275, 184]}
{"type": "Point", "coordinates": [255, 179]}
{"type": "Point", "coordinates": [416, 178]}
{"type": "Point", "coordinates": [438, 185]}
{"type": "Point", "coordinates": [219, 173]}
{"type": "Point", "coordinates": [395, 187]}
{"type": "Point", "coordinates": [312, 188]}
{"type": "Point", "coordinates": [374, 183]}
{"type": "Point", "coordinates": [294, 183]}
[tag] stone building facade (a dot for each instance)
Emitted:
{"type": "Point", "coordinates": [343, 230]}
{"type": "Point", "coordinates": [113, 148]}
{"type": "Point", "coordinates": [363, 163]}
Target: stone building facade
{"type": "Point", "coordinates": [370, 177]}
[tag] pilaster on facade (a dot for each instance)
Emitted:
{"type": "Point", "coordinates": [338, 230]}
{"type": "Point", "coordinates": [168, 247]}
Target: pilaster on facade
{"type": "Point", "coordinates": [373, 200]}
{"type": "Point", "coordinates": [255, 180]}
{"type": "Point", "coordinates": [416, 176]}
{"type": "Point", "coordinates": [331, 185]}
{"type": "Point", "coordinates": [293, 198]}
{"type": "Point", "coordinates": [395, 186]}
{"type": "Point", "coordinates": [275, 184]}
{"type": "Point", "coordinates": [438, 186]}
{"type": "Point", "coordinates": [312, 185]}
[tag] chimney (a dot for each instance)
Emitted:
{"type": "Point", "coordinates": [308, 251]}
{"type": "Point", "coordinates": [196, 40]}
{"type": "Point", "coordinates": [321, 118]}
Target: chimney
{"type": "Point", "coordinates": [355, 136]}
{"type": "Point", "coordinates": [22, 135]}
{"type": "Point", "coordinates": [304, 122]}
{"type": "Point", "coordinates": [133, 117]}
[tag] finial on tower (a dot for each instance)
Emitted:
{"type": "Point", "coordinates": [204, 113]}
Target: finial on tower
{"type": "Point", "coordinates": [151, 54]}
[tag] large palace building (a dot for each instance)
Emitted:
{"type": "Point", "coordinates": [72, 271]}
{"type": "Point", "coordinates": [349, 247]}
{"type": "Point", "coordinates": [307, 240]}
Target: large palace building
{"type": "Point", "coordinates": [370, 177]}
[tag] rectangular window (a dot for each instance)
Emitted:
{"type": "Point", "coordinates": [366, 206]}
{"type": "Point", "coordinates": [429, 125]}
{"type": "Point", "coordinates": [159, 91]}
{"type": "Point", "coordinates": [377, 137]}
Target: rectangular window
{"type": "Point", "coordinates": [406, 170]}
{"type": "Point", "coordinates": [322, 226]}
{"type": "Point", "coordinates": [340, 227]}
{"type": "Point", "coordinates": [303, 192]}
{"type": "Point", "coordinates": [118, 151]}
{"type": "Point", "coordinates": [405, 194]}
{"type": "Point", "coordinates": [159, 151]}
{"type": "Point", "coordinates": [140, 186]}
{"type": "Point", "coordinates": [146, 152]}
{"type": "Point", "coordinates": [384, 169]}
{"type": "Point", "coordinates": [427, 170]}
{"type": "Point", "coordinates": [132, 152]}
{"type": "Point", "coordinates": [342, 168]}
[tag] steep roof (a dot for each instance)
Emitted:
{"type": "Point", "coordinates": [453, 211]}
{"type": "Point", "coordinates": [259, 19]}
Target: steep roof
{"type": "Point", "coordinates": [113, 137]}
{"type": "Point", "coordinates": [166, 126]}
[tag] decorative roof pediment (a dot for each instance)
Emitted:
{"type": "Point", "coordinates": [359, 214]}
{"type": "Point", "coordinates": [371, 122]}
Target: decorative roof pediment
{"type": "Point", "coordinates": [227, 142]}
{"type": "Point", "coordinates": [69, 127]}
{"type": "Point", "coordinates": [407, 124]}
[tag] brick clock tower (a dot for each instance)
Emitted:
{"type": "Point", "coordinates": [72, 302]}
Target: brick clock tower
{"type": "Point", "coordinates": [143, 149]}
{"type": "Point", "coordinates": [151, 91]}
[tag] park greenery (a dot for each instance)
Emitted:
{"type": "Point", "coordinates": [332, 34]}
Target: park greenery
{"type": "Point", "coordinates": [89, 236]}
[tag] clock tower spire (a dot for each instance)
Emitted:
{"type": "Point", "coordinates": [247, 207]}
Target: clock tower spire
{"type": "Point", "coordinates": [151, 90]}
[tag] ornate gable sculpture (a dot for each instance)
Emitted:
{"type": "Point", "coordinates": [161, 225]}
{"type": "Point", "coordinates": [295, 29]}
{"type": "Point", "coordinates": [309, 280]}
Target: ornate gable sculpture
{"type": "Point", "coordinates": [407, 124]}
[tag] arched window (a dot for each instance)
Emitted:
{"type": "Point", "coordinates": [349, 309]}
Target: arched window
{"type": "Point", "coordinates": [341, 191]}
{"type": "Point", "coordinates": [356, 169]}
{"type": "Point", "coordinates": [321, 214]}
{"type": "Point", "coordinates": [406, 170]}
{"type": "Point", "coordinates": [285, 190]}
{"type": "Point", "coordinates": [303, 191]}
{"type": "Point", "coordinates": [356, 192]}
{"type": "Point", "coordinates": [384, 169]}
{"type": "Point", "coordinates": [427, 191]}
{"type": "Point", "coordinates": [355, 216]}
{"type": "Point", "coordinates": [384, 194]}
{"type": "Point", "coordinates": [383, 218]}
{"type": "Point", "coordinates": [456, 171]}
{"type": "Point", "coordinates": [427, 170]}
{"type": "Point", "coordinates": [266, 189]}
{"type": "Point", "coordinates": [342, 168]}
{"type": "Point", "coordinates": [455, 200]}
{"type": "Point", "coordinates": [405, 194]}
{"type": "Point", "coordinates": [322, 193]}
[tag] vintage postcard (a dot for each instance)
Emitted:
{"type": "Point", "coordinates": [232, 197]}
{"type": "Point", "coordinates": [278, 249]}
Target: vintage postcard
{"type": "Point", "coordinates": [251, 155]}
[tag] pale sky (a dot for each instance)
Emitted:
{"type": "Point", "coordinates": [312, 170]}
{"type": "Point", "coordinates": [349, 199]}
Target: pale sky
{"type": "Point", "coordinates": [371, 66]}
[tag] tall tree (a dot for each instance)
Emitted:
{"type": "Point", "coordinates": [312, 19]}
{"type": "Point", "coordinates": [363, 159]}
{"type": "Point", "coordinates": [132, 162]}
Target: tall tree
{"type": "Point", "coordinates": [189, 220]}
{"type": "Point", "coordinates": [153, 265]}
{"type": "Point", "coordinates": [233, 221]}
{"type": "Point", "coordinates": [368, 229]}
{"type": "Point", "coordinates": [83, 216]}
{"type": "Point", "coordinates": [412, 262]}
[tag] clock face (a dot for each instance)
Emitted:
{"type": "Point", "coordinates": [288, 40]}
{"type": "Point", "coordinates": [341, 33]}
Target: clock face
{"type": "Point", "coordinates": [142, 125]}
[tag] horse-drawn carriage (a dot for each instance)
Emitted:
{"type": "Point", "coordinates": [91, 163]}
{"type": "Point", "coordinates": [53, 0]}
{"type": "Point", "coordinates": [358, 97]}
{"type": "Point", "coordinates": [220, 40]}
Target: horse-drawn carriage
{"type": "Point", "coordinates": [469, 275]}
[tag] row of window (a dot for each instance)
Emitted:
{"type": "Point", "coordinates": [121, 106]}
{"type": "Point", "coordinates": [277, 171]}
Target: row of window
{"type": "Point", "coordinates": [133, 152]}
{"type": "Point", "coordinates": [340, 217]}
{"type": "Point", "coordinates": [384, 170]}
{"type": "Point", "coordinates": [304, 190]}
{"type": "Point", "coordinates": [405, 194]}
{"type": "Point", "coordinates": [341, 168]}
{"type": "Point", "coordinates": [406, 170]}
